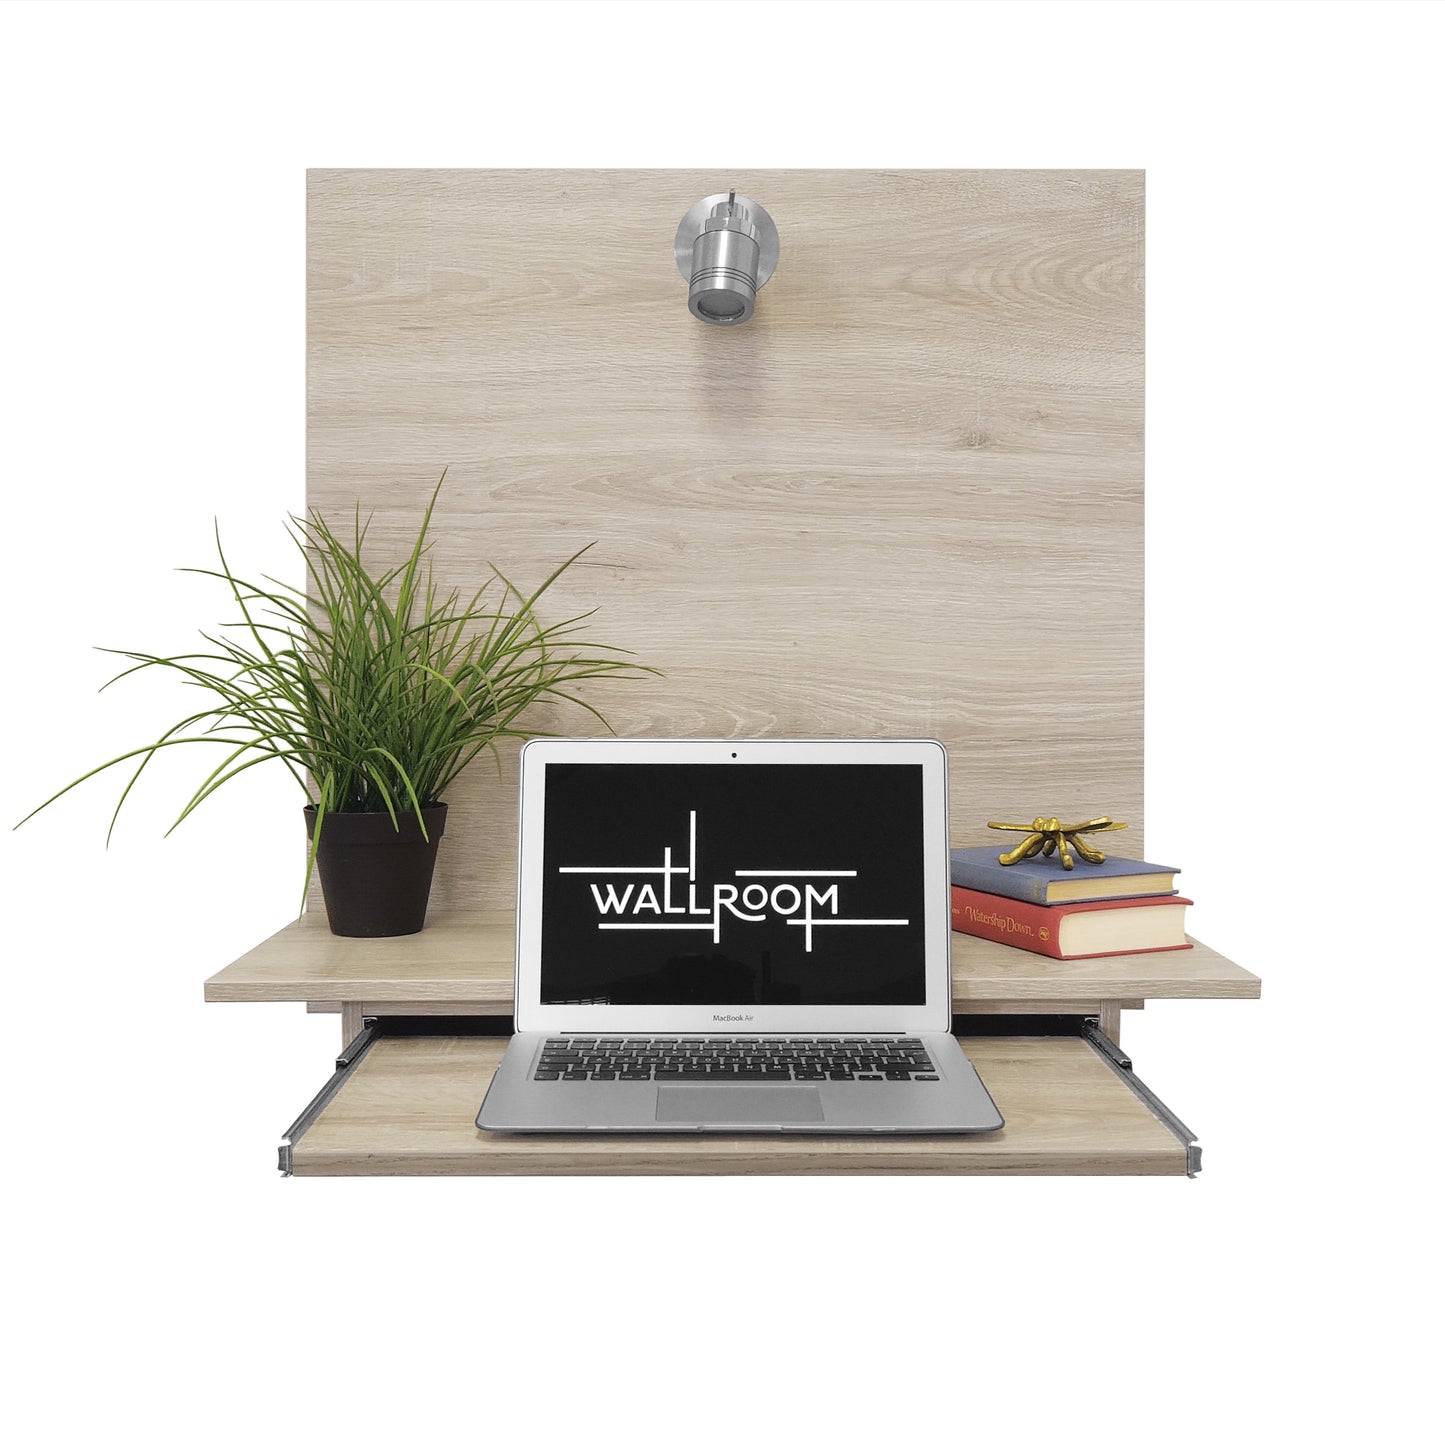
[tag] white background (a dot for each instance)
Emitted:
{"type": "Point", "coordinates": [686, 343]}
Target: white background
{"type": "Point", "coordinates": [158, 1272]}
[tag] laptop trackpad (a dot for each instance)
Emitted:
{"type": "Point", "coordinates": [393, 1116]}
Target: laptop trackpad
{"type": "Point", "coordinates": [737, 1104]}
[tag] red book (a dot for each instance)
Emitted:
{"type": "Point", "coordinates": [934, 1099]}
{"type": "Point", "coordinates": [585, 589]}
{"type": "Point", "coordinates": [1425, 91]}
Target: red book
{"type": "Point", "coordinates": [1074, 931]}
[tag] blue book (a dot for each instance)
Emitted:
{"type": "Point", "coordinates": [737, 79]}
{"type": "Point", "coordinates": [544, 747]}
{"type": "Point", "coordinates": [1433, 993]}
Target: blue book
{"type": "Point", "coordinates": [1042, 880]}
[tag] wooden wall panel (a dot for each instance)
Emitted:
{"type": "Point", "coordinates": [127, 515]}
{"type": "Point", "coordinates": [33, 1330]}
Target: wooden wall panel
{"type": "Point", "coordinates": [905, 500]}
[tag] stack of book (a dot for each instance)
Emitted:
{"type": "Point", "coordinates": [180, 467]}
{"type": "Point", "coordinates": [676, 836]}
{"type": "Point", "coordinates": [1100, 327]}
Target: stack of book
{"type": "Point", "coordinates": [1121, 906]}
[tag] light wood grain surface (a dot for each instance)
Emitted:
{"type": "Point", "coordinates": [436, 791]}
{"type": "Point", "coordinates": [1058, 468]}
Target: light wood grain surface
{"type": "Point", "coordinates": [411, 1106]}
{"type": "Point", "coordinates": [905, 500]}
{"type": "Point", "coordinates": [466, 958]}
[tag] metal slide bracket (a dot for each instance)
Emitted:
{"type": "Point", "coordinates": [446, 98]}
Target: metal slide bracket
{"type": "Point", "coordinates": [346, 1063]}
{"type": "Point", "coordinates": [1123, 1066]}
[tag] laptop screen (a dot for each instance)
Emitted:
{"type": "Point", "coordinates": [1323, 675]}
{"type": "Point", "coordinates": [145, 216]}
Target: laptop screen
{"type": "Point", "coordinates": [753, 884]}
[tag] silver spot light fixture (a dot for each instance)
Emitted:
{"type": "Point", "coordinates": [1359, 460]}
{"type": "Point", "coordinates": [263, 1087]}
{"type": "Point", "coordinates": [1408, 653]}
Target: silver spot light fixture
{"type": "Point", "coordinates": [726, 248]}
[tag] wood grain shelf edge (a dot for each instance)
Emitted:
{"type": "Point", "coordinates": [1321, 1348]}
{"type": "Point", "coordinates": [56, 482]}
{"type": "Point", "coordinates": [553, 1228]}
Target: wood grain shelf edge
{"type": "Point", "coordinates": [464, 958]}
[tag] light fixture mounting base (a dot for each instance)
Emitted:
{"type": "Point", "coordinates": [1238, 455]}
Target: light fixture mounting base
{"type": "Point", "coordinates": [691, 229]}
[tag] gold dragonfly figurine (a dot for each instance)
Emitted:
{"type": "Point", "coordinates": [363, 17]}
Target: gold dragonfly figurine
{"type": "Point", "coordinates": [1047, 834]}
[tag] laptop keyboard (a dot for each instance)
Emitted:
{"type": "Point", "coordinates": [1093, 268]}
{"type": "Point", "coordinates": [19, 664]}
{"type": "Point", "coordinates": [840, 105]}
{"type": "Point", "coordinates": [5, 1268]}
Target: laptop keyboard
{"type": "Point", "coordinates": [616, 1057]}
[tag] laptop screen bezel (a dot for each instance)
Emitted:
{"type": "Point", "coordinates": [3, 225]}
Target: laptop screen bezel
{"type": "Point", "coordinates": [934, 1014]}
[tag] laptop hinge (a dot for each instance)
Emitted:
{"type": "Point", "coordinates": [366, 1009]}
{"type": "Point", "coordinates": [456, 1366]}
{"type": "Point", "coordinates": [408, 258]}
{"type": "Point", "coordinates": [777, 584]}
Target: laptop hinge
{"type": "Point", "coordinates": [346, 1063]}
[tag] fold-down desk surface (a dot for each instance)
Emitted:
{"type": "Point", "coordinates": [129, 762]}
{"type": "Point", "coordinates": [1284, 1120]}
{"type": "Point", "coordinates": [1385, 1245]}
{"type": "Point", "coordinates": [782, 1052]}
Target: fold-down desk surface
{"type": "Point", "coordinates": [409, 1105]}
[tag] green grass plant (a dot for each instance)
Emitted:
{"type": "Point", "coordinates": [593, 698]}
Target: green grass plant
{"type": "Point", "coordinates": [373, 689]}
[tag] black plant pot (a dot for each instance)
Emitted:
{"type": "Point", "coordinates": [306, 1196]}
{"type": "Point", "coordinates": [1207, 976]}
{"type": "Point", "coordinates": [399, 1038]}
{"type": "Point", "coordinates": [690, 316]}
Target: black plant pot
{"type": "Point", "coordinates": [375, 877]}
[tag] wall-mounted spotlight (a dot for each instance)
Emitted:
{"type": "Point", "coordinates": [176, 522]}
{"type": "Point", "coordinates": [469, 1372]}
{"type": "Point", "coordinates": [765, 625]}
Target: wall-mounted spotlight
{"type": "Point", "coordinates": [726, 247]}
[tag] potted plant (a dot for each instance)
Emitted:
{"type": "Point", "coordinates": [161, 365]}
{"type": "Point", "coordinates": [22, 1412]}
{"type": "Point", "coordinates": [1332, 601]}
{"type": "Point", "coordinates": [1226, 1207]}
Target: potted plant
{"type": "Point", "coordinates": [375, 690]}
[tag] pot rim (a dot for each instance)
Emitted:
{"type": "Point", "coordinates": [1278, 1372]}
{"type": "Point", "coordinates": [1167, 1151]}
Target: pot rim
{"type": "Point", "coordinates": [372, 812]}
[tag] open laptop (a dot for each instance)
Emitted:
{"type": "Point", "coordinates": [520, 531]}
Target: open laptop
{"type": "Point", "coordinates": [739, 935]}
